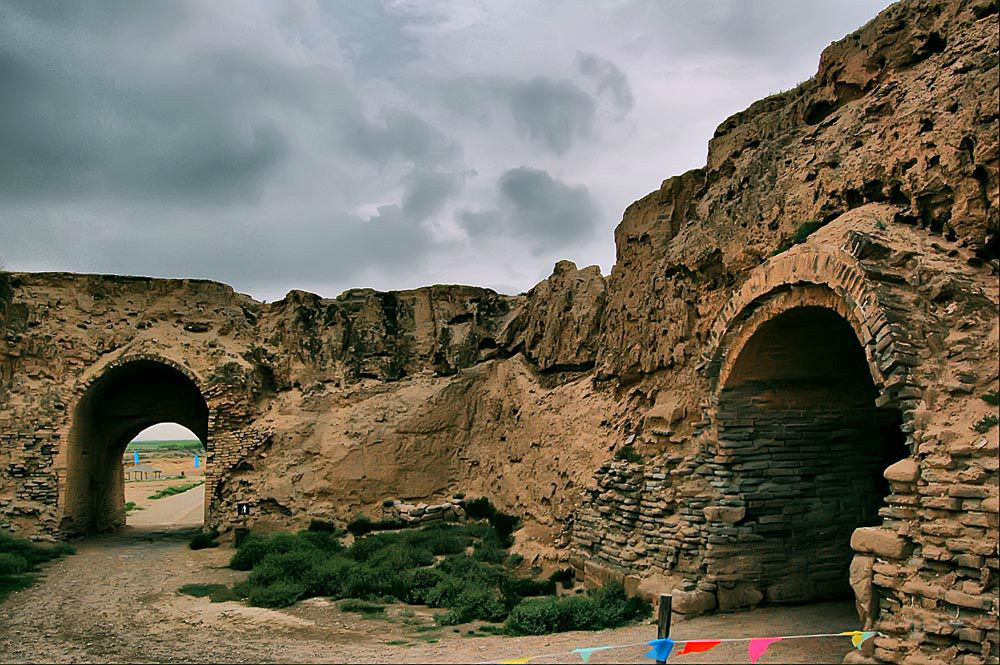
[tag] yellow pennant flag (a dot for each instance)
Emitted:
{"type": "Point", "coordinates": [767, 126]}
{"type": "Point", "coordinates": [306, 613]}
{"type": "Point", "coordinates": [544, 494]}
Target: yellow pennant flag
{"type": "Point", "coordinates": [516, 661]}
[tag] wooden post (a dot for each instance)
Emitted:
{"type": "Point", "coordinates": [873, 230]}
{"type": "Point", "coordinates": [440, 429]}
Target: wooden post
{"type": "Point", "coordinates": [663, 619]}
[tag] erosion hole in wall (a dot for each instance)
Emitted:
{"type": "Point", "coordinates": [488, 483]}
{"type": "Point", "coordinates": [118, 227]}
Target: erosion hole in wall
{"type": "Point", "coordinates": [806, 447]}
{"type": "Point", "coordinates": [117, 406]}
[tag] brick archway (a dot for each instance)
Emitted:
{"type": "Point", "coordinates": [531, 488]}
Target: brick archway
{"type": "Point", "coordinates": [836, 280]}
{"type": "Point", "coordinates": [114, 402]}
{"type": "Point", "coordinates": [806, 375]}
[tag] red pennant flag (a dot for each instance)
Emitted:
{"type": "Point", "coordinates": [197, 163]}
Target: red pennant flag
{"type": "Point", "coordinates": [698, 647]}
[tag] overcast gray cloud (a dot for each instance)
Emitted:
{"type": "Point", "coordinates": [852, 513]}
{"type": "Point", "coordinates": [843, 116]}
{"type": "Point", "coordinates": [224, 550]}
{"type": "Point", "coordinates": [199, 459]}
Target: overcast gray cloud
{"type": "Point", "coordinates": [392, 144]}
{"type": "Point", "coordinates": [541, 211]}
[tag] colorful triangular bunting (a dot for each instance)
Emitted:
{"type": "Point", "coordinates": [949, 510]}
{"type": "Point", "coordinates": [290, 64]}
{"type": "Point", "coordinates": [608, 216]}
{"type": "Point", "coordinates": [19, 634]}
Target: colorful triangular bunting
{"type": "Point", "coordinates": [759, 646]}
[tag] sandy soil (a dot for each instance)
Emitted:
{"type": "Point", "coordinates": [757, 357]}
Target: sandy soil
{"type": "Point", "coordinates": [116, 600]}
{"type": "Point", "coordinates": [185, 509]}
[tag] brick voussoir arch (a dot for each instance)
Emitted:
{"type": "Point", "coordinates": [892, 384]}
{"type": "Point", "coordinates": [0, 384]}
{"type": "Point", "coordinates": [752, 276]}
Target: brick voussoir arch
{"type": "Point", "coordinates": [100, 370]}
{"type": "Point", "coordinates": [804, 276]}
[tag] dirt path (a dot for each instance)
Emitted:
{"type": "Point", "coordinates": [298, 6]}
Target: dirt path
{"type": "Point", "coordinates": [184, 509]}
{"type": "Point", "coordinates": [116, 601]}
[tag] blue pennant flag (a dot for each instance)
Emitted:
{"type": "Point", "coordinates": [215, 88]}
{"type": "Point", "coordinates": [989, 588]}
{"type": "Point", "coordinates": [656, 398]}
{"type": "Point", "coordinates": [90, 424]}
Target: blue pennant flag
{"type": "Point", "coordinates": [661, 649]}
{"type": "Point", "coordinates": [136, 453]}
{"type": "Point", "coordinates": [587, 652]}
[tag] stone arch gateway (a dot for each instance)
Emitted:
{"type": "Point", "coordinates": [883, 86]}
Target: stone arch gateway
{"type": "Point", "coordinates": [805, 423]}
{"type": "Point", "coordinates": [112, 408]}
{"type": "Point", "coordinates": [798, 428]}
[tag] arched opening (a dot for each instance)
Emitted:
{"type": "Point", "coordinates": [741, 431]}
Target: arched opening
{"type": "Point", "coordinates": [806, 447]}
{"type": "Point", "coordinates": [164, 468]}
{"type": "Point", "coordinates": [118, 406]}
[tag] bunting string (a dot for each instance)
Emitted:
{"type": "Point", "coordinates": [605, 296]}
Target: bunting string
{"type": "Point", "coordinates": [661, 649]}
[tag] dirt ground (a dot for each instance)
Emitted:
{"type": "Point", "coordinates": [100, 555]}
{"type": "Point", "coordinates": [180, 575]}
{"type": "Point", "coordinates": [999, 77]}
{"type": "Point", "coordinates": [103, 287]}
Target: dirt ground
{"type": "Point", "coordinates": [185, 509]}
{"type": "Point", "coordinates": [116, 600]}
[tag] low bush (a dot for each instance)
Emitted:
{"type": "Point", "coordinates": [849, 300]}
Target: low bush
{"type": "Point", "coordinates": [800, 235]}
{"type": "Point", "coordinates": [986, 423]}
{"type": "Point", "coordinates": [324, 527]}
{"type": "Point", "coordinates": [279, 594]}
{"type": "Point", "coordinates": [19, 558]}
{"type": "Point", "coordinates": [362, 525]}
{"type": "Point", "coordinates": [175, 489]}
{"type": "Point", "coordinates": [993, 398]}
{"type": "Point", "coordinates": [362, 607]}
{"type": "Point", "coordinates": [217, 593]}
{"type": "Point", "coordinates": [607, 607]}
{"type": "Point", "coordinates": [12, 564]}
{"type": "Point", "coordinates": [431, 565]}
{"type": "Point", "coordinates": [204, 540]}
{"type": "Point", "coordinates": [628, 454]}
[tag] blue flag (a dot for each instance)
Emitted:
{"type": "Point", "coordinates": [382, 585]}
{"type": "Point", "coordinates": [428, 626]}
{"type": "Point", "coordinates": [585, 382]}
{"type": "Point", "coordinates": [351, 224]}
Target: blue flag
{"type": "Point", "coordinates": [587, 652]}
{"type": "Point", "coordinates": [196, 461]}
{"type": "Point", "coordinates": [136, 453]}
{"type": "Point", "coordinates": [661, 649]}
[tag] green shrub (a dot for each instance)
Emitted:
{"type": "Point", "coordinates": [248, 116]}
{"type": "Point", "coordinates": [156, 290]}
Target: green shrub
{"type": "Point", "coordinates": [324, 527]}
{"type": "Point", "coordinates": [32, 553]}
{"type": "Point", "coordinates": [325, 541]}
{"type": "Point", "coordinates": [993, 398]}
{"type": "Point", "coordinates": [489, 553]}
{"type": "Point", "coordinates": [19, 558]}
{"type": "Point", "coordinates": [628, 454]}
{"type": "Point", "coordinates": [130, 506]}
{"type": "Point", "coordinates": [204, 540]}
{"type": "Point", "coordinates": [368, 582]}
{"type": "Point", "coordinates": [986, 423]}
{"type": "Point", "coordinates": [419, 582]}
{"type": "Point", "coordinates": [362, 607]}
{"type": "Point", "coordinates": [279, 594]}
{"type": "Point", "coordinates": [176, 489]}
{"type": "Point", "coordinates": [475, 602]}
{"type": "Point", "coordinates": [479, 509]}
{"type": "Point", "coordinates": [217, 593]}
{"type": "Point", "coordinates": [362, 525]}
{"type": "Point", "coordinates": [799, 236]}
{"type": "Point", "coordinates": [328, 577]}
{"type": "Point", "coordinates": [401, 557]}
{"type": "Point", "coordinates": [527, 587]}
{"type": "Point", "coordinates": [13, 564]}
{"type": "Point", "coordinates": [255, 547]}
{"type": "Point", "coordinates": [608, 607]}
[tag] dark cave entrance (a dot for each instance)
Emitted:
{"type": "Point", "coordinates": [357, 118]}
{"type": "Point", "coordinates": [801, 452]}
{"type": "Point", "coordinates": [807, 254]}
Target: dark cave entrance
{"type": "Point", "coordinates": [806, 448]}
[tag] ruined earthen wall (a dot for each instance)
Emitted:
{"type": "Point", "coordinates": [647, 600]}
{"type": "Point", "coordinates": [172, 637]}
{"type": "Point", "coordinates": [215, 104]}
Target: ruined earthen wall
{"type": "Point", "coordinates": [320, 408]}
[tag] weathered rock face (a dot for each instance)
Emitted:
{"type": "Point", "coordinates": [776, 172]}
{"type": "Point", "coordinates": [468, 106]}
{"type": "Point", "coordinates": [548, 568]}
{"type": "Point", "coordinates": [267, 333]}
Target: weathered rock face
{"type": "Point", "coordinates": [312, 408]}
{"type": "Point", "coordinates": [798, 341]}
{"type": "Point", "coordinates": [903, 111]}
{"type": "Point", "coordinates": [558, 325]}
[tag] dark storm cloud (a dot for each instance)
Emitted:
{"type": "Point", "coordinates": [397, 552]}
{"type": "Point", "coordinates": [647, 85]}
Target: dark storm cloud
{"type": "Point", "coordinates": [428, 191]}
{"type": "Point", "coordinates": [399, 135]}
{"type": "Point", "coordinates": [536, 209]}
{"type": "Point", "coordinates": [75, 124]}
{"type": "Point", "coordinates": [553, 114]}
{"type": "Point", "coordinates": [608, 77]}
{"type": "Point", "coordinates": [360, 142]}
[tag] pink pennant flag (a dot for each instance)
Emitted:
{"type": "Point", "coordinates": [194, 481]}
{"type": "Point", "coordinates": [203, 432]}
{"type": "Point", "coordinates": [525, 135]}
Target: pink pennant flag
{"type": "Point", "coordinates": [759, 646]}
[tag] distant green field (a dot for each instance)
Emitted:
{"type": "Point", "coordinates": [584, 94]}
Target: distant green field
{"type": "Point", "coordinates": [140, 446]}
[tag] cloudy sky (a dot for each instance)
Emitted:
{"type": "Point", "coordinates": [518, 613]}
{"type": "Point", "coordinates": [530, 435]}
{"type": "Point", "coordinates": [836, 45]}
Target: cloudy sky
{"type": "Point", "coordinates": [334, 144]}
